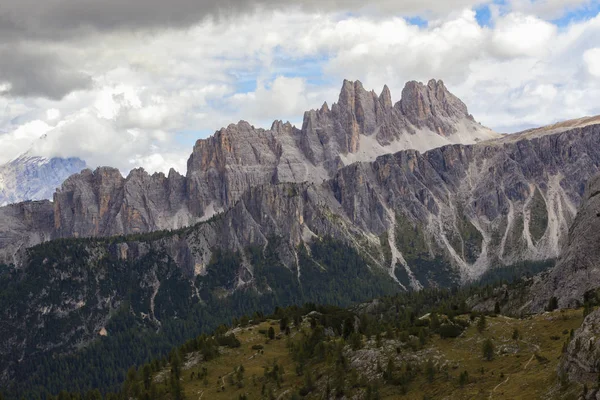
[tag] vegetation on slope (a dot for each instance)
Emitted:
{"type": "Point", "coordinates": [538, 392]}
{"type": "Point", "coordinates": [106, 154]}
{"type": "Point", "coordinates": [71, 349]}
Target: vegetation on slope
{"type": "Point", "coordinates": [141, 324]}
{"type": "Point", "coordinates": [323, 352]}
{"type": "Point", "coordinates": [538, 216]}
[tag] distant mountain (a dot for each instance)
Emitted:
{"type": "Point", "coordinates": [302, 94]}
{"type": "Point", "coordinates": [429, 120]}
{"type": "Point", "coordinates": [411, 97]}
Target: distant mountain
{"type": "Point", "coordinates": [30, 177]}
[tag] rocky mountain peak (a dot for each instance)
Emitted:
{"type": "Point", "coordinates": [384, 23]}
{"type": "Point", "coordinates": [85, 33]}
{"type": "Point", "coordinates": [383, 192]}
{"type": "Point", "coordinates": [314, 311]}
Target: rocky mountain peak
{"type": "Point", "coordinates": [435, 84]}
{"type": "Point", "coordinates": [30, 177]}
{"type": "Point", "coordinates": [385, 98]}
{"type": "Point", "coordinates": [432, 106]}
{"type": "Point", "coordinates": [278, 126]}
{"type": "Point", "coordinates": [173, 173]}
{"type": "Point", "coordinates": [352, 95]}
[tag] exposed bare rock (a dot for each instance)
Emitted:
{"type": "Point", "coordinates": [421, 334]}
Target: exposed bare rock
{"type": "Point", "coordinates": [359, 127]}
{"type": "Point", "coordinates": [581, 361]}
{"type": "Point", "coordinates": [103, 203]}
{"type": "Point", "coordinates": [433, 107]}
{"type": "Point", "coordinates": [578, 269]}
{"type": "Point", "coordinates": [468, 207]}
{"type": "Point", "coordinates": [24, 225]}
{"type": "Point", "coordinates": [460, 209]}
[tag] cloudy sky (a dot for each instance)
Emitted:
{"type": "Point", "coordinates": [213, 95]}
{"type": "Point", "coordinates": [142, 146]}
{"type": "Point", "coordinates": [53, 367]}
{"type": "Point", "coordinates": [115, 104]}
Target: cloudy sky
{"type": "Point", "coordinates": [135, 83]}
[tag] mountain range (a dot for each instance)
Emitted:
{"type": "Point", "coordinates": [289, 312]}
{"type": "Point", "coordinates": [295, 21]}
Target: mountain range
{"type": "Point", "coordinates": [410, 195]}
{"type": "Point", "coordinates": [221, 168]}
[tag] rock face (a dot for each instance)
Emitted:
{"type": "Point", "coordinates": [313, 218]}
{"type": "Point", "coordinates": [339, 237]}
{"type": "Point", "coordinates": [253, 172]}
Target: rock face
{"type": "Point", "coordinates": [578, 269]}
{"type": "Point", "coordinates": [581, 361]}
{"type": "Point", "coordinates": [459, 208]}
{"type": "Point", "coordinates": [469, 207]}
{"type": "Point", "coordinates": [477, 206]}
{"type": "Point", "coordinates": [433, 107]}
{"type": "Point", "coordinates": [359, 127]}
{"type": "Point", "coordinates": [103, 203]}
{"type": "Point", "coordinates": [24, 225]}
{"type": "Point", "coordinates": [30, 177]}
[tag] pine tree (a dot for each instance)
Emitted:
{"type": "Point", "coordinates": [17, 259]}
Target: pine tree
{"type": "Point", "coordinates": [481, 324]}
{"type": "Point", "coordinates": [552, 304]}
{"type": "Point", "coordinates": [463, 378]}
{"type": "Point", "coordinates": [516, 335]}
{"type": "Point", "coordinates": [488, 350]}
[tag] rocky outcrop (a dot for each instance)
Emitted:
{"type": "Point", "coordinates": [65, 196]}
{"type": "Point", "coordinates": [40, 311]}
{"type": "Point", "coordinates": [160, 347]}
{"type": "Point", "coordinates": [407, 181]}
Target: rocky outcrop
{"type": "Point", "coordinates": [24, 225]}
{"type": "Point", "coordinates": [480, 205]}
{"type": "Point", "coordinates": [577, 271]}
{"type": "Point", "coordinates": [469, 207]}
{"type": "Point", "coordinates": [581, 360]}
{"type": "Point", "coordinates": [31, 177]}
{"type": "Point", "coordinates": [103, 203]}
{"type": "Point", "coordinates": [433, 107]}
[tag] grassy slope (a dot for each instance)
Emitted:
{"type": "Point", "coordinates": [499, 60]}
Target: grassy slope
{"type": "Point", "coordinates": [515, 372]}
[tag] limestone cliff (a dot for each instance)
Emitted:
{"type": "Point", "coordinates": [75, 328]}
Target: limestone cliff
{"type": "Point", "coordinates": [24, 225]}
{"type": "Point", "coordinates": [577, 270]}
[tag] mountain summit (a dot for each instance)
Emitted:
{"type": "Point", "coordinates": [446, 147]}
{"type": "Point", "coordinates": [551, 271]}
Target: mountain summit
{"type": "Point", "coordinates": [30, 177]}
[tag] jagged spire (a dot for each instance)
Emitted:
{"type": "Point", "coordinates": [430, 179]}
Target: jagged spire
{"type": "Point", "coordinates": [385, 98]}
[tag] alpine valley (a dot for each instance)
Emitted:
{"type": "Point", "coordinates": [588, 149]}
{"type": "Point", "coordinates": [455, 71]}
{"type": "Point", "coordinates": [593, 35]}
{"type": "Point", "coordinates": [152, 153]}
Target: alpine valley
{"type": "Point", "coordinates": [369, 198]}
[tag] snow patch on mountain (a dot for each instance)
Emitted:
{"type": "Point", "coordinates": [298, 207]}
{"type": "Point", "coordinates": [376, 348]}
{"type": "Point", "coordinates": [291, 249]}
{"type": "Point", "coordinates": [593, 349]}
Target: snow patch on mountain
{"type": "Point", "coordinates": [30, 177]}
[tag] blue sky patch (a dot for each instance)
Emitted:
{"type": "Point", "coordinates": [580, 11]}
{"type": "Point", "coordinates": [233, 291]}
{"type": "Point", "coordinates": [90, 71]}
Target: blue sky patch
{"type": "Point", "coordinates": [418, 21]}
{"type": "Point", "coordinates": [483, 15]}
{"type": "Point", "coordinates": [584, 12]}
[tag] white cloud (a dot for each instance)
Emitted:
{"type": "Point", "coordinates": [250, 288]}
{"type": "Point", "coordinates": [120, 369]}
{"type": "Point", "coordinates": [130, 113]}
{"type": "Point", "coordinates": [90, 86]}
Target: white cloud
{"type": "Point", "coordinates": [285, 97]}
{"type": "Point", "coordinates": [148, 86]}
{"type": "Point", "coordinates": [592, 61]}
{"type": "Point", "coordinates": [518, 35]}
{"type": "Point", "coordinates": [20, 140]}
{"type": "Point", "coordinates": [102, 141]}
{"type": "Point", "coordinates": [52, 114]}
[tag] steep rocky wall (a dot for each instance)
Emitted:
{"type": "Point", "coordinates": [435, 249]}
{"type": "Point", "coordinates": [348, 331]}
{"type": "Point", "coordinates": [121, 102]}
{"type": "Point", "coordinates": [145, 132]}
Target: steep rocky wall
{"type": "Point", "coordinates": [470, 206]}
{"type": "Point", "coordinates": [578, 270]}
{"type": "Point", "coordinates": [103, 203]}
{"type": "Point", "coordinates": [24, 225]}
{"type": "Point", "coordinates": [581, 360]}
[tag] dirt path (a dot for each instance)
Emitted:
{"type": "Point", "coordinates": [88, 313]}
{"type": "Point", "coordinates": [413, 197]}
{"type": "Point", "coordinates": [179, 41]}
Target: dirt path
{"type": "Point", "coordinates": [223, 378]}
{"type": "Point", "coordinates": [526, 365]}
{"type": "Point", "coordinates": [498, 385]}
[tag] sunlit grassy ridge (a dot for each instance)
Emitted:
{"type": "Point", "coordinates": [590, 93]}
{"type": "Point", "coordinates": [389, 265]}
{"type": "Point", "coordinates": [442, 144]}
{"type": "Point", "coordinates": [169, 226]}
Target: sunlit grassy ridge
{"type": "Point", "coordinates": [524, 364]}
